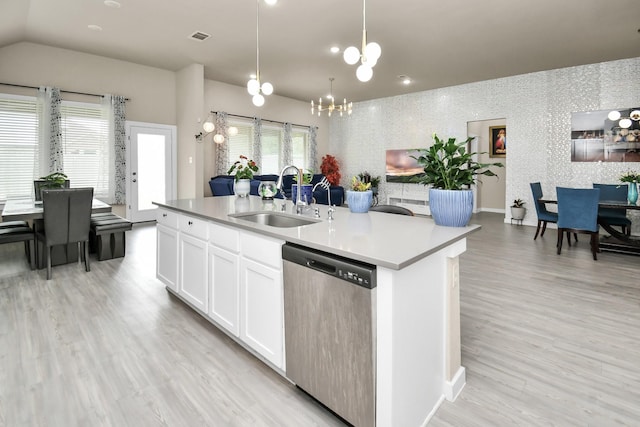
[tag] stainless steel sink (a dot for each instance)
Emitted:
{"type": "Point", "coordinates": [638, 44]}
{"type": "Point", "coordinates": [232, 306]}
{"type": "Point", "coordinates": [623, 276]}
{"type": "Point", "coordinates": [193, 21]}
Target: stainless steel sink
{"type": "Point", "coordinates": [274, 219]}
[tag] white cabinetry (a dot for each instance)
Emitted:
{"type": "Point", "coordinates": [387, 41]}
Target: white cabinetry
{"type": "Point", "coordinates": [192, 243]}
{"type": "Point", "coordinates": [167, 248]}
{"type": "Point", "coordinates": [224, 277]}
{"type": "Point", "coordinates": [261, 296]}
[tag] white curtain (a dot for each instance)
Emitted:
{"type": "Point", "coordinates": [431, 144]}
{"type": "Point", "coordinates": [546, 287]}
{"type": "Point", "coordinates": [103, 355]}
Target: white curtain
{"type": "Point", "coordinates": [115, 113]}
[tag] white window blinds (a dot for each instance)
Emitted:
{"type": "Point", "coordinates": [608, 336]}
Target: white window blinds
{"type": "Point", "coordinates": [85, 138]}
{"type": "Point", "coordinates": [18, 146]}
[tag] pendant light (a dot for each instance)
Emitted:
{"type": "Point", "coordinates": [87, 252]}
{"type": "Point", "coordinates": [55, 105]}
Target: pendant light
{"type": "Point", "coordinates": [254, 87]}
{"type": "Point", "coordinates": [369, 54]}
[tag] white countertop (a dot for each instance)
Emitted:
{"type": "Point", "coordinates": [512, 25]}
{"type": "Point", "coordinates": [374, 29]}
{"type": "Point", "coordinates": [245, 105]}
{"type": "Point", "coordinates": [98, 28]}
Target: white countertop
{"type": "Point", "coordinates": [387, 240]}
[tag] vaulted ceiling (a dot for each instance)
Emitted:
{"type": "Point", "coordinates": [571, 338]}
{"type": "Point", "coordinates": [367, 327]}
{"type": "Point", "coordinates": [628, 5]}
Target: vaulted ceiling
{"type": "Point", "coordinates": [436, 43]}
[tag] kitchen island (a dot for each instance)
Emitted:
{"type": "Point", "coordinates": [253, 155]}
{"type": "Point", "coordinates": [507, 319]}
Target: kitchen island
{"type": "Point", "coordinates": [229, 269]}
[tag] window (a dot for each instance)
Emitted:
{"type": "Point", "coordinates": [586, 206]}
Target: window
{"type": "Point", "coordinates": [86, 153]}
{"type": "Point", "coordinates": [85, 140]}
{"type": "Point", "coordinates": [272, 137]}
{"type": "Point", "coordinates": [18, 145]}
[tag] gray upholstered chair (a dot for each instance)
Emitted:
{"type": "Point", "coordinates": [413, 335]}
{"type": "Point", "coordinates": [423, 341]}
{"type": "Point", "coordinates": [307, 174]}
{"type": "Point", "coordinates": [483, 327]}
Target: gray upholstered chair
{"type": "Point", "coordinates": [19, 231]}
{"type": "Point", "coordinates": [67, 219]}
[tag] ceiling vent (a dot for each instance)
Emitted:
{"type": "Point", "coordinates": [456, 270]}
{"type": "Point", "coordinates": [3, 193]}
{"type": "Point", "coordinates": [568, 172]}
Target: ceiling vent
{"type": "Point", "coordinates": [199, 36]}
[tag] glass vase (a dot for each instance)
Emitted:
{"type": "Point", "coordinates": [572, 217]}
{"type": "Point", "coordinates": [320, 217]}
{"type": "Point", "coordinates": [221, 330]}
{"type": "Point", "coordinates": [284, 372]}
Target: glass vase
{"type": "Point", "coordinates": [632, 194]}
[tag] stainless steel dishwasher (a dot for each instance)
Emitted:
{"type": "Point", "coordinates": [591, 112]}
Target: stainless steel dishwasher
{"type": "Point", "coordinates": [330, 330]}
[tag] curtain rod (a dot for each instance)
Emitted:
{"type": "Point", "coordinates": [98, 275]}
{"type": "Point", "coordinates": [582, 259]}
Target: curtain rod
{"type": "Point", "coordinates": [61, 90]}
{"type": "Point", "coordinates": [265, 120]}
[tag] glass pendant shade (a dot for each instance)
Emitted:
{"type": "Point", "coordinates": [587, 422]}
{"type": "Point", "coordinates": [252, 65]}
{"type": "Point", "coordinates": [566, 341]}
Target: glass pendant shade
{"type": "Point", "coordinates": [218, 138]}
{"type": "Point", "coordinates": [364, 73]}
{"type": "Point", "coordinates": [258, 100]}
{"type": "Point", "coordinates": [267, 88]}
{"type": "Point", "coordinates": [614, 115]}
{"type": "Point", "coordinates": [208, 127]}
{"type": "Point", "coordinates": [253, 87]}
{"type": "Point", "coordinates": [351, 55]}
{"type": "Point", "coordinates": [232, 131]}
{"type": "Point", "coordinates": [372, 52]}
{"type": "Point", "coordinates": [625, 123]}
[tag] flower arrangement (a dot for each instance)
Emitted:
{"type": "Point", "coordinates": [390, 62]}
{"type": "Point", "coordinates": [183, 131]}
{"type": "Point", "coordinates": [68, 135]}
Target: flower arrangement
{"type": "Point", "coordinates": [243, 168]}
{"type": "Point", "coordinates": [518, 203]}
{"type": "Point", "coordinates": [358, 185]}
{"type": "Point", "coordinates": [330, 169]}
{"type": "Point", "coordinates": [630, 176]}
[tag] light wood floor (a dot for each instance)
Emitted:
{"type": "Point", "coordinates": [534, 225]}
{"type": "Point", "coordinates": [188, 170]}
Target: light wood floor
{"type": "Point", "coordinates": [546, 340]}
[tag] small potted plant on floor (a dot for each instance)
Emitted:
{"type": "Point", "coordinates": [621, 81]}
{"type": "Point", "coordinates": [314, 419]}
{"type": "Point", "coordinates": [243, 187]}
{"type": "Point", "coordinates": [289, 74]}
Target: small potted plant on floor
{"type": "Point", "coordinates": [518, 210]}
{"type": "Point", "coordinates": [450, 170]}
{"type": "Point", "coordinates": [374, 180]}
{"type": "Point", "coordinates": [360, 196]}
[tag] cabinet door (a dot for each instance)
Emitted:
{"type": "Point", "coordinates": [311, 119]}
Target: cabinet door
{"type": "Point", "coordinates": [224, 288]}
{"type": "Point", "coordinates": [193, 271]}
{"type": "Point", "coordinates": [167, 256]}
{"type": "Point", "coordinates": [261, 311]}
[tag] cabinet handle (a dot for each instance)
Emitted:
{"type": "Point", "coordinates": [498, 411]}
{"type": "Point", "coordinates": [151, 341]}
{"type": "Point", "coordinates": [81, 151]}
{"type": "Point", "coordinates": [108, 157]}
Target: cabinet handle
{"type": "Point", "coordinates": [190, 223]}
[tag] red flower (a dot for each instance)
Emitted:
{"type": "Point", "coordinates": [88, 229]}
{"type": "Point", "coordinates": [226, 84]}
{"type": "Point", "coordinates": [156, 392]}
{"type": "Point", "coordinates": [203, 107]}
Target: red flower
{"type": "Point", "coordinates": [330, 169]}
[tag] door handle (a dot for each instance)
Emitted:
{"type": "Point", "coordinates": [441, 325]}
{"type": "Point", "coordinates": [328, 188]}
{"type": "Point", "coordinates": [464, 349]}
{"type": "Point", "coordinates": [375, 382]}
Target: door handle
{"type": "Point", "coordinates": [134, 180]}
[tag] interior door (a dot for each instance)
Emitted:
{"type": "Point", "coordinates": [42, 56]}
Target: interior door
{"type": "Point", "coordinates": [151, 168]}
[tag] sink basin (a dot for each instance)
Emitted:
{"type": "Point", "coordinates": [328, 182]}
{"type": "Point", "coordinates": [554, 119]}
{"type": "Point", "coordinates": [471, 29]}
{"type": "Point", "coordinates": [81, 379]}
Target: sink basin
{"type": "Point", "coordinates": [274, 219]}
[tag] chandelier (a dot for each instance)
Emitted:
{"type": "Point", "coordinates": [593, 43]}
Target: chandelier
{"type": "Point", "coordinates": [344, 108]}
{"type": "Point", "coordinates": [209, 127]}
{"type": "Point", "coordinates": [254, 87]}
{"type": "Point", "coordinates": [624, 122]}
{"type": "Point", "coordinates": [368, 56]}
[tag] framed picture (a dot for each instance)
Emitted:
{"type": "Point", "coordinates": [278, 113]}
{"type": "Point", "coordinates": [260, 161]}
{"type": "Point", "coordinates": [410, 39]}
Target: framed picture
{"type": "Point", "coordinates": [498, 141]}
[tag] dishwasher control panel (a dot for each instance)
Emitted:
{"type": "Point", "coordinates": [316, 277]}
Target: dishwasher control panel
{"type": "Point", "coordinates": [356, 272]}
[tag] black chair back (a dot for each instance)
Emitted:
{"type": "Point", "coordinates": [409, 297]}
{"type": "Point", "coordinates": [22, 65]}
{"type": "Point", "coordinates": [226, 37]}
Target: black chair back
{"type": "Point", "coordinates": [399, 210]}
{"type": "Point", "coordinates": [67, 219]}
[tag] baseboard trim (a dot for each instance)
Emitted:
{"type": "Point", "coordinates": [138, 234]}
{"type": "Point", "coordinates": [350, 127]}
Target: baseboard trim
{"type": "Point", "coordinates": [453, 388]}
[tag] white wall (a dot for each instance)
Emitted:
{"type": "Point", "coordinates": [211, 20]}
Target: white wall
{"type": "Point", "coordinates": [537, 108]}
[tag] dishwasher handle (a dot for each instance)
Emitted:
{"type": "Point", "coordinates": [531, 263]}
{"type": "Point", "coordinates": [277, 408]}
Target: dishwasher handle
{"type": "Point", "coordinates": [321, 266]}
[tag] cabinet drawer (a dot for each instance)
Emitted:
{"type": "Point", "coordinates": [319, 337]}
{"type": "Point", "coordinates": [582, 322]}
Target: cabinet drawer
{"type": "Point", "coordinates": [224, 237]}
{"type": "Point", "coordinates": [193, 226]}
{"type": "Point", "coordinates": [265, 250]}
{"type": "Point", "coordinates": [168, 218]}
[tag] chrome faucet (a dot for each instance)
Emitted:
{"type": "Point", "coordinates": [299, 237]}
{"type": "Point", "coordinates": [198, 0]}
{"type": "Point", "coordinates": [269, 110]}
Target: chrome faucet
{"type": "Point", "coordinates": [300, 204]}
{"type": "Point", "coordinates": [324, 183]}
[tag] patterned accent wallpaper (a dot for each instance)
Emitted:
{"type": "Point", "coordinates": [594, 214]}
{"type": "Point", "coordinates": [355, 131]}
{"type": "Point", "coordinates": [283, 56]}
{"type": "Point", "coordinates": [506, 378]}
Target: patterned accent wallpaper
{"type": "Point", "coordinates": [537, 108]}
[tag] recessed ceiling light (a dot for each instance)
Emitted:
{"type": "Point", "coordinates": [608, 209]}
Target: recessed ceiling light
{"type": "Point", "coordinates": [406, 80]}
{"type": "Point", "coordinates": [335, 49]}
{"type": "Point", "coordinates": [93, 27]}
{"type": "Point", "coordinates": [252, 76]}
{"type": "Point", "coordinates": [112, 3]}
{"type": "Point", "coordinates": [271, 2]}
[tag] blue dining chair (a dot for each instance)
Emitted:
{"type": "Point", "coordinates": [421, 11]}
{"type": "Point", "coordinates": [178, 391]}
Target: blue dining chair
{"type": "Point", "coordinates": [544, 216]}
{"type": "Point", "coordinates": [578, 213]}
{"type": "Point", "coordinates": [612, 216]}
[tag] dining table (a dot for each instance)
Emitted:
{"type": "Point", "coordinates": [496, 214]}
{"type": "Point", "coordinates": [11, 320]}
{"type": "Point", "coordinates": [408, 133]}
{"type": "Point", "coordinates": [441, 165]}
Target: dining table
{"type": "Point", "coordinates": [30, 210]}
{"type": "Point", "coordinates": [616, 240]}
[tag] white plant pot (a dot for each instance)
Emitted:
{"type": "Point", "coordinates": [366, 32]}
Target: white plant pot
{"type": "Point", "coordinates": [518, 213]}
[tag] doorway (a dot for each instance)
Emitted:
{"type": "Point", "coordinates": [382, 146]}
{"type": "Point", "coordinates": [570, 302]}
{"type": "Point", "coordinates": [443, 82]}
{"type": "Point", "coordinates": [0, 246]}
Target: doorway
{"type": "Point", "coordinates": [151, 166]}
{"type": "Point", "coordinates": [490, 193]}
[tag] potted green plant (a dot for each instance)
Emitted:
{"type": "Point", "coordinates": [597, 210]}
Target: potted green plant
{"type": "Point", "coordinates": [449, 170]}
{"type": "Point", "coordinates": [374, 180]}
{"type": "Point", "coordinates": [243, 170]}
{"type": "Point", "coordinates": [360, 196]}
{"type": "Point", "coordinates": [518, 211]}
{"type": "Point", "coordinates": [632, 179]}
{"type": "Point", "coordinates": [53, 180]}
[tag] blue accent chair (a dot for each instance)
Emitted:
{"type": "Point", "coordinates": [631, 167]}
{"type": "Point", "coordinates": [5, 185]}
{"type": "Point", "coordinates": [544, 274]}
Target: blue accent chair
{"type": "Point", "coordinates": [544, 216]}
{"type": "Point", "coordinates": [615, 217]}
{"type": "Point", "coordinates": [578, 213]}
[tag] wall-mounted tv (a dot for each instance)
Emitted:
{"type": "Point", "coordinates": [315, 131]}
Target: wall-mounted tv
{"type": "Point", "coordinates": [401, 167]}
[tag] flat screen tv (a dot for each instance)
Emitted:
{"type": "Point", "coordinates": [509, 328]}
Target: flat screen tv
{"type": "Point", "coordinates": [401, 167]}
